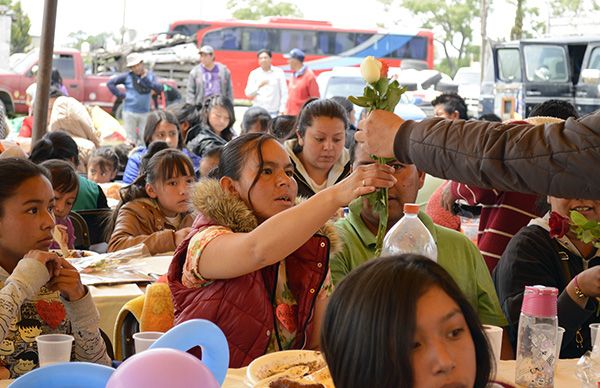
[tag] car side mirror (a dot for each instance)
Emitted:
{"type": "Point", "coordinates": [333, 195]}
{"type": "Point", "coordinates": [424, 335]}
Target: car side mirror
{"type": "Point", "coordinates": [590, 76]}
{"type": "Point", "coordinates": [33, 71]}
{"type": "Point", "coordinates": [431, 81]}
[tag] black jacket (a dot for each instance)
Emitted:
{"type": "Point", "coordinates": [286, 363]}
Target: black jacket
{"type": "Point", "coordinates": [533, 258]}
{"type": "Point", "coordinates": [200, 139]}
{"type": "Point", "coordinates": [551, 159]}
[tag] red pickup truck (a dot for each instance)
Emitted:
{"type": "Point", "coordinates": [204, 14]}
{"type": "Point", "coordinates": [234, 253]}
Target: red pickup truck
{"type": "Point", "coordinates": [89, 89]}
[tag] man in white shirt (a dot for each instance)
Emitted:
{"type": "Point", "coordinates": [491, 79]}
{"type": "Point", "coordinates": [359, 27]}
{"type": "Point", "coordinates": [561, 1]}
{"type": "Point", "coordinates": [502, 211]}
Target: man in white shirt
{"type": "Point", "coordinates": [267, 86]}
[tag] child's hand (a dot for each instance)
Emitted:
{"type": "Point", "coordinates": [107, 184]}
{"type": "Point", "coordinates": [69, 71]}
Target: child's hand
{"type": "Point", "coordinates": [50, 259]}
{"type": "Point", "coordinates": [67, 281]}
{"type": "Point", "coordinates": [181, 234]}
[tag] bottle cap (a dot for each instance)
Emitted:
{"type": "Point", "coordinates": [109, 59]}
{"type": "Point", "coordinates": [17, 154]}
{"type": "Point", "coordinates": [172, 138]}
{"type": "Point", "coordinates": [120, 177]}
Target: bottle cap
{"type": "Point", "coordinates": [411, 208]}
{"type": "Point", "coordinates": [540, 301]}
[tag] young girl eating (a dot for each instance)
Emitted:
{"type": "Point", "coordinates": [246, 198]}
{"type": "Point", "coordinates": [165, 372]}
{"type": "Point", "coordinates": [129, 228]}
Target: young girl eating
{"type": "Point", "coordinates": [66, 186]}
{"type": "Point", "coordinates": [257, 265]}
{"type": "Point", "coordinates": [154, 209]}
{"type": "Point", "coordinates": [40, 293]}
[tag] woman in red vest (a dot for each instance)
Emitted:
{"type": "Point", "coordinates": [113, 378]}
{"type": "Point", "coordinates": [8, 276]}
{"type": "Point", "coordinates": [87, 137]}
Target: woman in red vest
{"type": "Point", "coordinates": [257, 263]}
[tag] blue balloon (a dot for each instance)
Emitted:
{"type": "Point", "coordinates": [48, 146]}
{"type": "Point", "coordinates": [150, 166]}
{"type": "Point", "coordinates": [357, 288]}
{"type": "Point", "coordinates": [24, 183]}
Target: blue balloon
{"type": "Point", "coordinates": [66, 375]}
{"type": "Point", "coordinates": [203, 333]}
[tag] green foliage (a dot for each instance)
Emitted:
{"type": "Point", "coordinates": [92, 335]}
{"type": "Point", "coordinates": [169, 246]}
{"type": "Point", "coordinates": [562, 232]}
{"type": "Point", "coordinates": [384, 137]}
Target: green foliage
{"type": "Point", "coordinates": [256, 9]}
{"type": "Point", "coordinates": [385, 95]}
{"type": "Point", "coordinates": [451, 20]}
{"type": "Point", "coordinates": [95, 41]}
{"type": "Point", "coordinates": [19, 29]}
{"type": "Point", "coordinates": [527, 16]}
{"type": "Point", "coordinates": [444, 65]}
{"type": "Point", "coordinates": [586, 230]}
{"type": "Point", "coordinates": [573, 7]}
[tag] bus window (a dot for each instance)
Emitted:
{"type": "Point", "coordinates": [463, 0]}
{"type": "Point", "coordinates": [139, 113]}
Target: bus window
{"type": "Point", "coordinates": [595, 59]}
{"type": "Point", "coordinates": [405, 47]}
{"type": "Point", "coordinates": [361, 38]}
{"type": "Point", "coordinates": [545, 63]}
{"type": "Point", "coordinates": [303, 39]}
{"type": "Point", "coordinates": [254, 39]}
{"type": "Point", "coordinates": [509, 65]}
{"type": "Point", "coordinates": [65, 64]}
{"type": "Point", "coordinates": [224, 39]}
{"type": "Point", "coordinates": [344, 41]}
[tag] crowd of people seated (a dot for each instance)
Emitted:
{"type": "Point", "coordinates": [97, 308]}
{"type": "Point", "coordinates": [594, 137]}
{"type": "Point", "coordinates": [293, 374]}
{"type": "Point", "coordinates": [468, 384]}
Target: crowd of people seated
{"type": "Point", "coordinates": [255, 223]}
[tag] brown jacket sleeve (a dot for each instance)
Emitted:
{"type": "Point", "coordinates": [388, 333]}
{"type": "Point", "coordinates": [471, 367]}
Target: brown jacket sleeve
{"type": "Point", "coordinates": [137, 224]}
{"type": "Point", "coordinates": [559, 159]}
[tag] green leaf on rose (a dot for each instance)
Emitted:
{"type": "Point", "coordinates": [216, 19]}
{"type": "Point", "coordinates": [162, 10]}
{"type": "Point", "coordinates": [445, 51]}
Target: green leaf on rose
{"type": "Point", "coordinates": [360, 101]}
{"type": "Point", "coordinates": [382, 86]}
{"type": "Point", "coordinates": [578, 218]}
{"type": "Point", "coordinates": [370, 92]}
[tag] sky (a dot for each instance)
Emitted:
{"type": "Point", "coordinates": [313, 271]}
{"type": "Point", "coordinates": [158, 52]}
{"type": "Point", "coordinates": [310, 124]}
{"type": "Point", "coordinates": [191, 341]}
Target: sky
{"type": "Point", "coordinates": [148, 16]}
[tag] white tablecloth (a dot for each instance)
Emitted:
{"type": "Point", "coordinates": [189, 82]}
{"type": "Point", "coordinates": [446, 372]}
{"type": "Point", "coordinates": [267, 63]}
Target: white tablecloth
{"type": "Point", "coordinates": [110, 299]}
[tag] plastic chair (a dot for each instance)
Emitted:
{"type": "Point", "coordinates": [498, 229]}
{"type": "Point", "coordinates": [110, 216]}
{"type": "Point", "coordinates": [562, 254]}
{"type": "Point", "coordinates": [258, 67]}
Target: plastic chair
{"type": "Point", "coordinates": [66, 375]}
{"type": "Point", "coordinates": [82, 234]}
{"type": "Point", "coordinates": [152, 311]}
{"type": "Point", "coordinates": [203, 333]}
{"type": "Point", "coordinates": [96, 220]}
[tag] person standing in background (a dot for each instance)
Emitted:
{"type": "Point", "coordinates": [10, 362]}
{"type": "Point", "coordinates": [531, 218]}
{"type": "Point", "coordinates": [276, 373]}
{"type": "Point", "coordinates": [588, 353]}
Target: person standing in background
{"type": "Point", "coordinates": [139, 83]}
{"type": "Point", "coordinates": [209, 78]}
{"type": "Point", "coordinates": [303, 84]}
{"type": "Point", "coordinates": [266, 85]}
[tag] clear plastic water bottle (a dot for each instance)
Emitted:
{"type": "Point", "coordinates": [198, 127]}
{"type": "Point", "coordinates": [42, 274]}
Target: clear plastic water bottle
{"type": "Point", "coordinates": [536, 341]}
{"type": "Point", "coordinates": [409, 235]}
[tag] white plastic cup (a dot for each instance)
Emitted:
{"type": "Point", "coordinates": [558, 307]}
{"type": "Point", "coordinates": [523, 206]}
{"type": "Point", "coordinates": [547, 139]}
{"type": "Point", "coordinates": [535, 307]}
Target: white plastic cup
{"type": "Point", "coordinates": [494, 336]}
{"type": "Point", "coordinates": [594, 327]}
{"type": "Point", "coordinates": [144, 339]}
{"type": "Point", "coordinates": [54, 348]}
{"type": "Point", "coordinates": [559, 338]}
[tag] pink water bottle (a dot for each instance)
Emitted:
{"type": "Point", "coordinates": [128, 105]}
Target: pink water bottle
{"type": "Point", "coordinates": [536, 341]}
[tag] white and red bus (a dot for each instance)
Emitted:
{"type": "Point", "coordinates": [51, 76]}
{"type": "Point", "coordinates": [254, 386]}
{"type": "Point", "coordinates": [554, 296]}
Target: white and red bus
{"type": "Point", "coordinates": [237, 41]}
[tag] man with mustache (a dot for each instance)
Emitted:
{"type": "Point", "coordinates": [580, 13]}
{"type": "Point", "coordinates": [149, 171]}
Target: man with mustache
{"type": "Point", "coordinates": [456, 253]}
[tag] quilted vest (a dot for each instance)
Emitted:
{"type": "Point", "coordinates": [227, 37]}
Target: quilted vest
{"type": "Point", "coordinates": [243, 307]}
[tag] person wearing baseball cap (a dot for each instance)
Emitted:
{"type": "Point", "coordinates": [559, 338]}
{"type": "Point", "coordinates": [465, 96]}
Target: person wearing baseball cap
{"type": "Point", "coordinates": [303, 84]}
{"type": "Point", "coordinates": [139, 83]}
{"type": "Point", "coordinates": [209, 78]}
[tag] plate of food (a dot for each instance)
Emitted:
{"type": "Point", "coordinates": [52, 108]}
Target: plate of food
{"type": "Point", "coordinates": [75, 253]}
{"type": "Point", "coordinates": [289, 369]}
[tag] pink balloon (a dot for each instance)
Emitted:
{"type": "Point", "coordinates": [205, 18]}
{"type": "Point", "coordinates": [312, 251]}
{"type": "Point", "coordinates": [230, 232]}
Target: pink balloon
{"type": "Point", "coordinates": [163, 367]}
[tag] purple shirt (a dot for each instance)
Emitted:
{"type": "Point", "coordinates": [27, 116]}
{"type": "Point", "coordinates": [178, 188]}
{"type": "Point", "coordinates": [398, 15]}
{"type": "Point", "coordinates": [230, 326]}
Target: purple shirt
{"type": "Point", "coordinates": [212, 84]}
{"type": "Point", "coordinates": [70, 232]}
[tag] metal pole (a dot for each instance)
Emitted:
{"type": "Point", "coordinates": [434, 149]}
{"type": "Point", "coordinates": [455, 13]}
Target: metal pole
{"type": "Point", "coordinates": [482, 56]}
{"type": "Point", "coordinates": [40, 112]}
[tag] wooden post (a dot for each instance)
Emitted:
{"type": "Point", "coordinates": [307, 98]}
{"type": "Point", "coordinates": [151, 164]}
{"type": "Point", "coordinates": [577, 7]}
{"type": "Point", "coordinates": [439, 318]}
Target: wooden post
{"type": "Point", "coordinates": [40, 112]}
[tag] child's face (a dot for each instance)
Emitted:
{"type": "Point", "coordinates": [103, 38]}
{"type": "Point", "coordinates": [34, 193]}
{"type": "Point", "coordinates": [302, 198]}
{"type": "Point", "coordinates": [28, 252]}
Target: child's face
{"type": "Point", "coordinates": [207, 163]}
{"type": "Point", "coordinates": [99, 175]}
{"type": "Point", "coordinates": [276, 189]}
{"type": "Point", "coordinates": [173, 194]}
{"type": "Point", "coordinates": [64, 203]}
{"type": "Point", "coordinates": [27, 219]}
{"type": "Point", "coordinates": [166, 132]}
